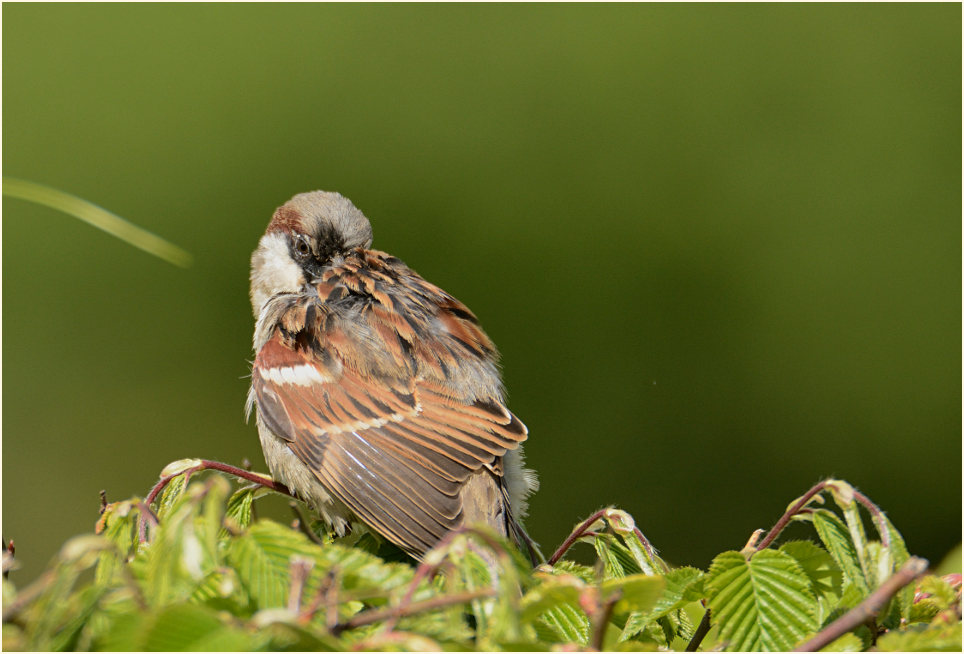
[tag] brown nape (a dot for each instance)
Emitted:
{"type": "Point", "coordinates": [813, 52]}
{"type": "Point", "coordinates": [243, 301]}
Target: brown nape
{"type": "Point", "coordinates": [285, 219]}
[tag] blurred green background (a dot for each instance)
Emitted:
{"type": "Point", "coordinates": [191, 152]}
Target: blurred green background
{"type": "Point", "coordinates": [718, 246]}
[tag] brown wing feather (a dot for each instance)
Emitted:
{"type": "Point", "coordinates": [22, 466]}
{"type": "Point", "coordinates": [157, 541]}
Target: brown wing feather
{"type": "Point", "coordinates": [357, 387]}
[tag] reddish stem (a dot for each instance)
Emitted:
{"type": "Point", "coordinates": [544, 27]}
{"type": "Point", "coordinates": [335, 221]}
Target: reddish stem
{"type": "Point", "coordinates": [650, 549]}
{"type": "Point", "coordinates": [600, 618]}
{"type": "Point", "coordinates": [576, 534]}
{"type": "Point", "coordinates": [375, 615]}
{"type": "Point", "coordinates": [878, 517]}
{"type": "Point", "coordinates": [788, 516]}
{"type": "Point", "coordinates": [700, 633]}
{"type": "Point", "coordinates": [209, 465]}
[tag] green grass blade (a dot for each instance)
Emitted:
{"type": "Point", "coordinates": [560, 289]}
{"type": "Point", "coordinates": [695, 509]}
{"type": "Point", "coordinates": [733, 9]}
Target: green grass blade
{"type": "Point", "coordinates": [98, 217]}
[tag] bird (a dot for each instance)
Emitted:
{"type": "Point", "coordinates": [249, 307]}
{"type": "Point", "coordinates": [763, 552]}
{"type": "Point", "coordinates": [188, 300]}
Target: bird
{"type": "Point", "coordinates": [378, 396]}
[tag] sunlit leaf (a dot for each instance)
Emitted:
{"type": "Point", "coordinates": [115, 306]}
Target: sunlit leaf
{"type": "Point", "coordinates": [836, 538]}
{"type": "Point", "coordinates": [181, 554]}
{"type": "Point", "coordinates": [923, 638]}
{"type": "Point", "coordinates": [899, 556]}
{"type": "Point", "coordinates": [171, 494]}
{"type": "Point", "coordinates": [118, 524]}
{"type": "Point", "coordinates": [761, 604]}
{"type": "Point", "coordinates": [625, 526]}
{"type": "Point", "coordinates": [636, 593]}
{"type": "Point", "coordinates": [825, 576]}
{"type": "Point", "coordinates": [238, 513]}
{"type": "Point", "coordinates": [682, 586]}
{"type": "Point", "coordinates": [617, 559]}
{"type": "Point", "coordinates": [555, 602]}
{"type": "Point", "coordinates": [847, 643]}
{"type": "Point", "coordinates": [262, 556]}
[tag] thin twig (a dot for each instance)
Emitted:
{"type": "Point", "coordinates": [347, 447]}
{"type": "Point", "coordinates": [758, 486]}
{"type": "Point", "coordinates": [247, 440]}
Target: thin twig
{"type": "Point", "coordinates": [700, 633]}
{"type": "Point", "coordinates": [788, 516]}
{"type": "Point", "coordinates": [878, 517]}
{"type": "Point", "coordinates": [600, 619]}
{"type": "Point", "coordinates": [331, 598]}
{"type": "Point", "coordinates": [376, 615]}
{"type": "Point", "coordinates": [321, 595]}
{"type": "Point", "coordinates": [303, 524]}
{"type": "Point", "coordinates": [869, 608]}
{"type": "Point", "coordinates": [576, 534]}
{"type": "Point", "coordinates": [299, 569]}
{"type": "Point", "coordinates": [146, 515]}
{"type": "Point", "coordinates": [424, 571]}
{"type": "Point", "coordinates": [205, 464]}
{"type": "Point", "coordinates": [427, 570]}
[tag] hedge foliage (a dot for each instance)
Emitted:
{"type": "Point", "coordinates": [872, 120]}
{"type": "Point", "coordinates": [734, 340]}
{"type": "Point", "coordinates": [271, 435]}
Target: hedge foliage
{"type": "Point", "coordinates": [199, 571]}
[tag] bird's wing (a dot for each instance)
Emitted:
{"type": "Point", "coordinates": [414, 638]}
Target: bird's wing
{"type": "Point", "coordinates": [394, 447]}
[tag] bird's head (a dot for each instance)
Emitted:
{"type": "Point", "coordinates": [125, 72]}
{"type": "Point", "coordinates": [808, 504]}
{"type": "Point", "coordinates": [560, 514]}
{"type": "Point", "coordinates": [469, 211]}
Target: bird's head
{"type": "Point", "coordinates": [308, 233]}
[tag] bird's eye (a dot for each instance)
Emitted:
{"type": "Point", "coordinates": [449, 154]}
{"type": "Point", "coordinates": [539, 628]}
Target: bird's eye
{"type": "Point", "coordinates": [302, 249]}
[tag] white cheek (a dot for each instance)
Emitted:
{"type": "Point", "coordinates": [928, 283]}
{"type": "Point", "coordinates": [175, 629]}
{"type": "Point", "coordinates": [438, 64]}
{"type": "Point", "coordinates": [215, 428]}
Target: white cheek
{"type": "Point", "coordinates": [273, 271]}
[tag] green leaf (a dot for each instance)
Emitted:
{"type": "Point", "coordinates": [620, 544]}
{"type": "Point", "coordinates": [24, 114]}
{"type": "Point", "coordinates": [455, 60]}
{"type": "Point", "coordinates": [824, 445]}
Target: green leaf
{"type": "Point", "coordinates": [636, 593]}
{"type": "Point", "coordinates": [922, 638]}
{"type": "Point", "coordinates": [289, 637]}
{"type": "Point", "coordinates": [118, 524]}
{"type": "Point", "coordinates": [555, 603]}
{"type": "Point", "coordinates": [176, 628]}
{"type": "Point", "coordinates": [578, 570]}
{"type": "Point", "coordinates": [184, 550]}
{"type": "Point", "coordinates": [936, 595]}
{"type": "Point", "coordinates": [847, 643]}
{"type": "Point", "coordinates": [761, 604]}
{"type": "Point", "coordinates": [625, 526]}
{"type": "Point", "coordinates": [569, 623]}
{"type": "Point", "coordinates": [479, 567]}
{"type": "Point", "coordinates": [826, 579]}
{"type": "Point", "coordinates": [14, 639]}
{"type": "Point", "coordinates": [682, 586]}
{"type": "Point", "coordinates": [899, 556]}
{"type": "Point", "coordinates": [360, 570]}
{"type": "Point", "coordinates": [836, 538]}
{"type": "Point", "coordinates": [221, 590]}
{"type": "Point", "coordinates": [551, 593]}
{"type": "Point", "coordinates": [52, 618]}
{"type": "Point", "coordinates": [80, 606]}
{"type": "Point", "coordinates": [187, 627]}
{"type": "Point", "coordinates": [170, 495]}
{"type": "Point", "coordinates": [617, 559]}
{"type": "Point", "coordinates": [858, 539]}
{"type": "Point", "coordinates": [238, 514]}
{"type": "Point", "coordinates": [824, 574]}
{"type": "Point", "coordinates": [262, 557]}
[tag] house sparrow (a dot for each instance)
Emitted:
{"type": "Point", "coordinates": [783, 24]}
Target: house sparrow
{"type": "Point", "coordinates": [378, 394]}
